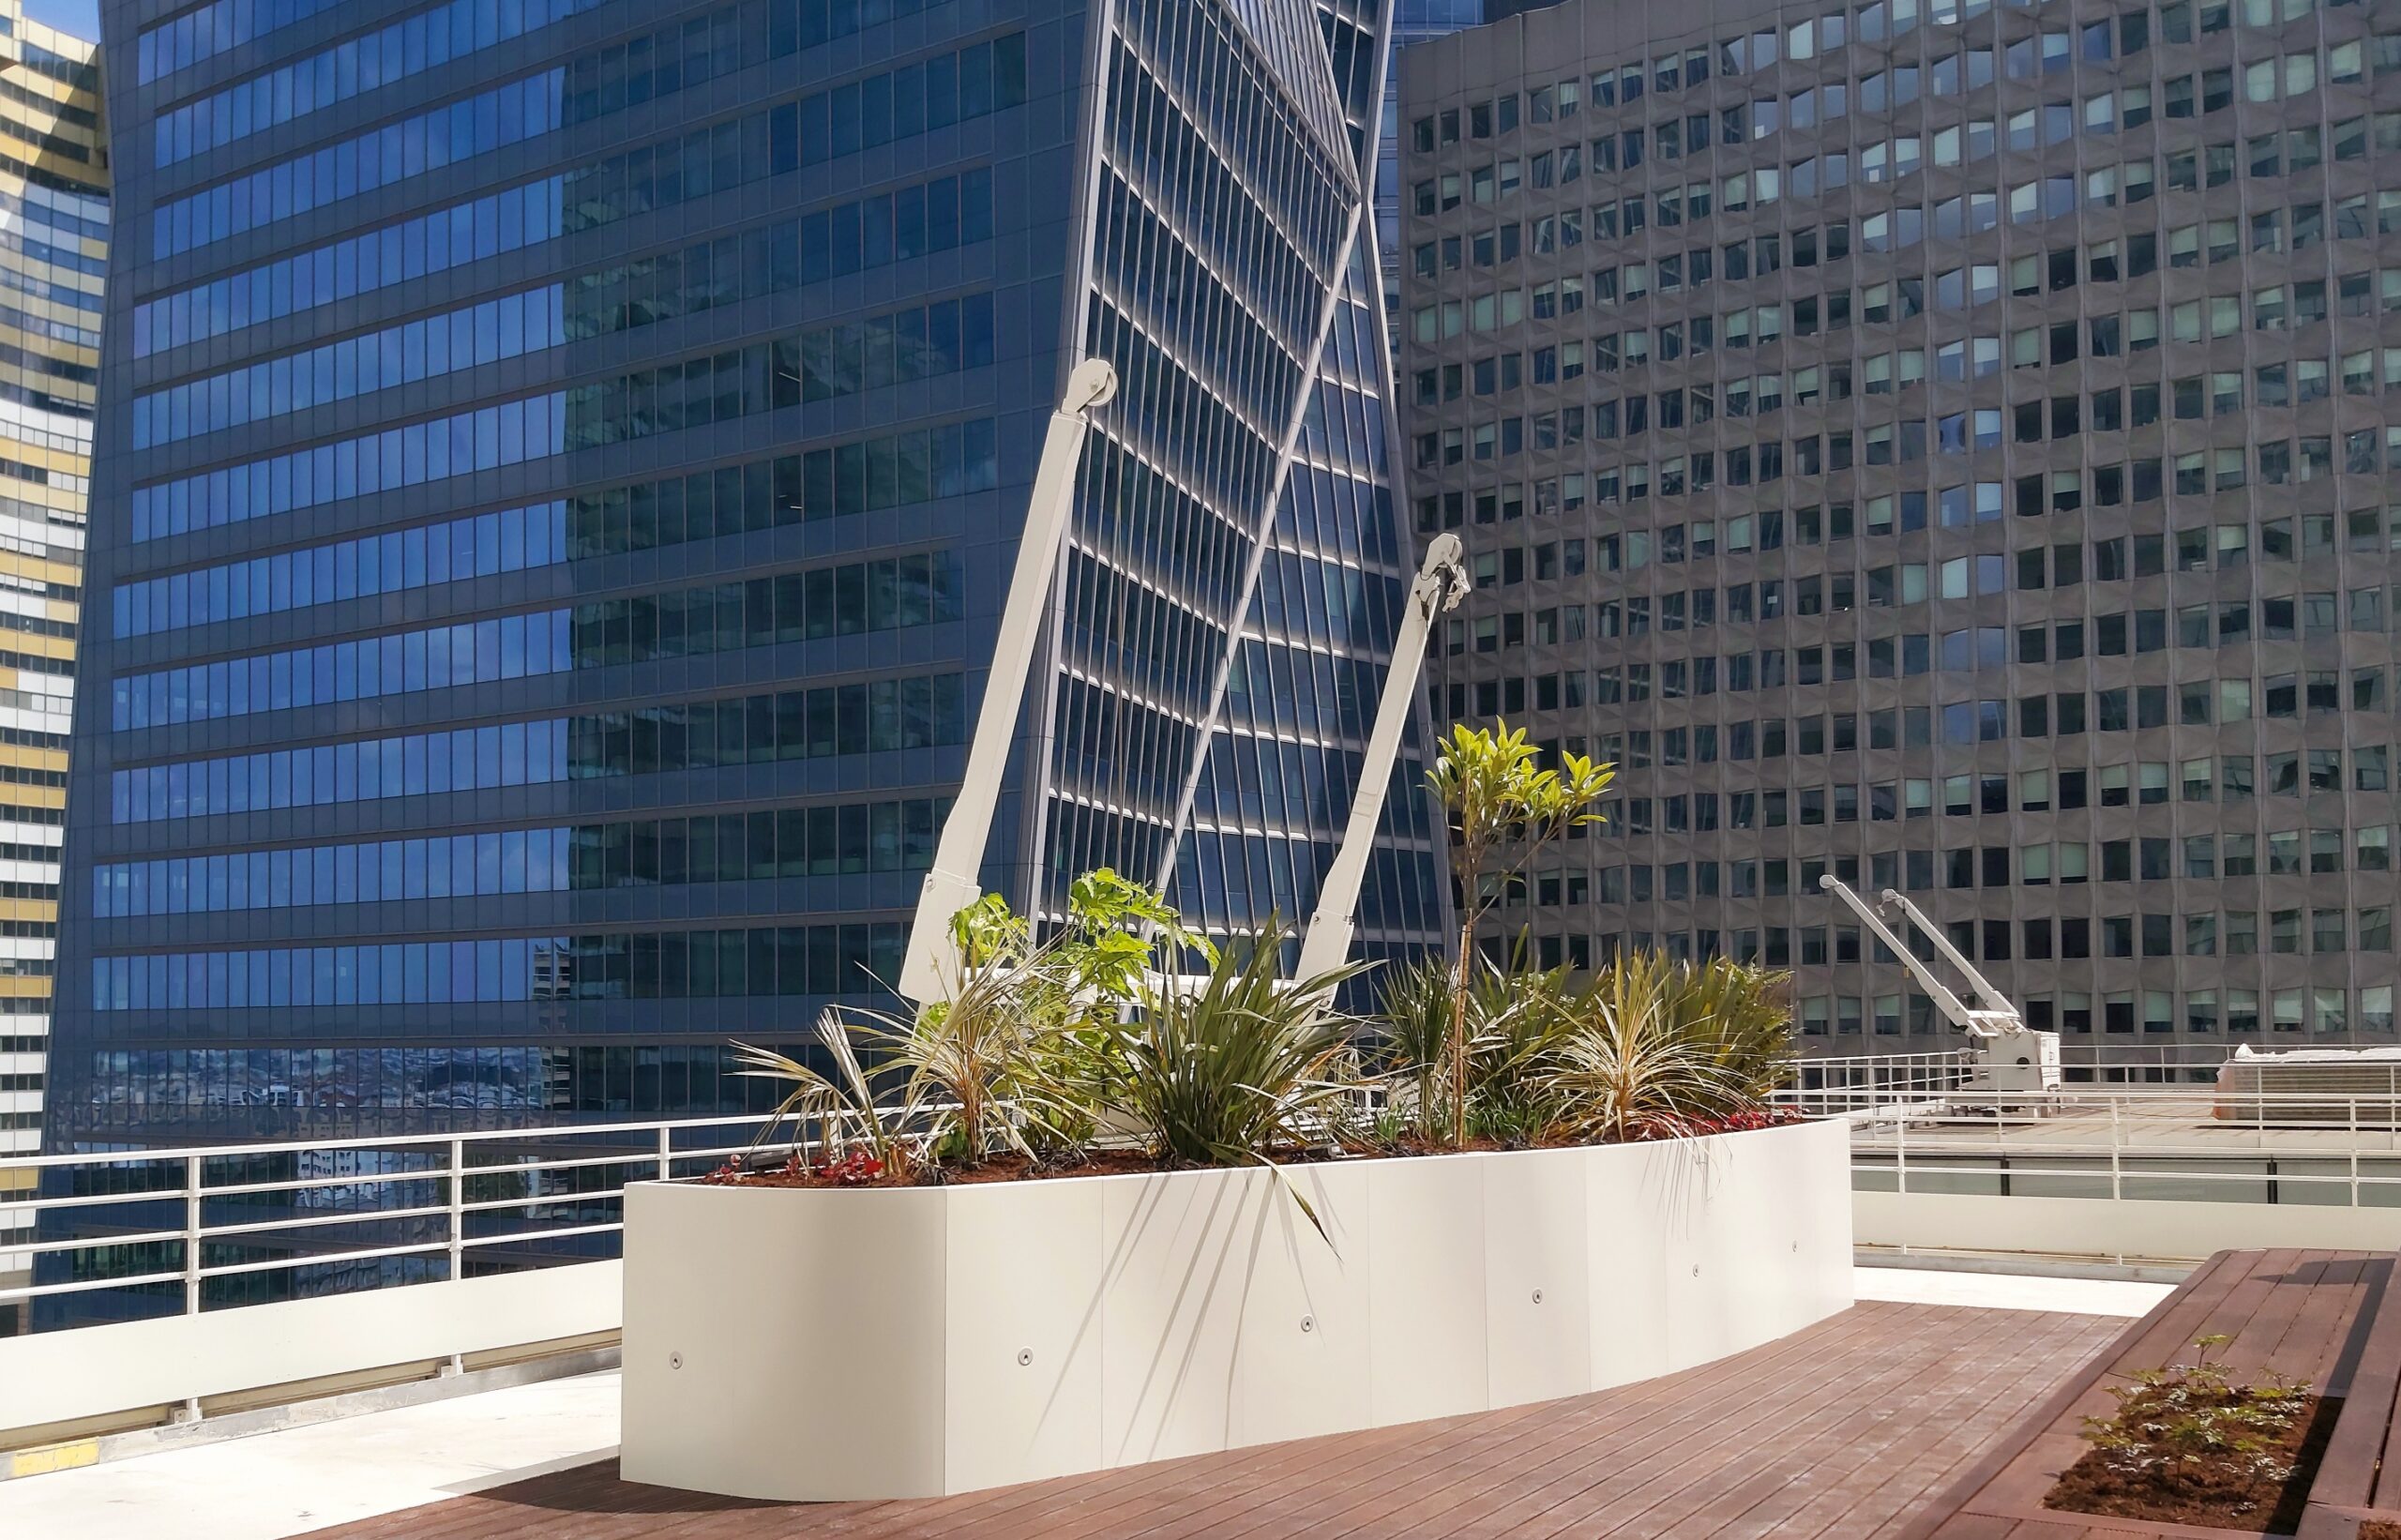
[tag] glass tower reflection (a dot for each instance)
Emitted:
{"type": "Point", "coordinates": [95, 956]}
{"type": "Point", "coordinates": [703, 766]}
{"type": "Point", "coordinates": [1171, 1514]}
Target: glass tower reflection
{"type": "Point", "coordinates": [556, 494]}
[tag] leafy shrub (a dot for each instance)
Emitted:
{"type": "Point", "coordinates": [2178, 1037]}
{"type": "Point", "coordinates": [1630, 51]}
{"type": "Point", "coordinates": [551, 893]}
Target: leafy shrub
{"type": "Point", "coordinates": [1659, 1047]}
{"type": "Point", "coordinates": [1225, 1072]}
{"type": "Point", "coordinates": [1016, 1061]}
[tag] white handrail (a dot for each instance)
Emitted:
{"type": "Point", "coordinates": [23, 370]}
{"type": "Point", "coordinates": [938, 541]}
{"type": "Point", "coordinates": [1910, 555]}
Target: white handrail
{"type": "Point", "coordinates": [450, 1162]}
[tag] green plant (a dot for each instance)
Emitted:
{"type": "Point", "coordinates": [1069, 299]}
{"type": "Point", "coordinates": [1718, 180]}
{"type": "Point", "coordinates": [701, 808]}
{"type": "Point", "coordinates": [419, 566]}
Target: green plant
{"type": "Point", "coordinates": [1015, 1060]}
{"type": "Point", "coordinates": [1657, 1047]}
{"type": "Point", "coordinates": [1498, 795]}
{"type": "Point", "coordinates": [1412, 1039]}
{"type": "Point", "coordinates": [842, 1107]}
{"type": "Point", "coordinates": [1514, 1019]}
{"type": "Point", "coordinates": [1232, 1068]}
{"type": "Point", "coordinates": [2197, 1414]}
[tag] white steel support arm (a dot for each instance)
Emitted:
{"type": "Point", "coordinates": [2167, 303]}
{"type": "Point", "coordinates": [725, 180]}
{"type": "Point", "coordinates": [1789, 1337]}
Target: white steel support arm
{"type": "Point", "coordinates": [1953, 1010]}
{"type": "Point", "coordinates": [1441, 583]}
{"type": "Point", "coordinates": [931, 962]}
{"type": "Point", "coordinates": [1982, 988]}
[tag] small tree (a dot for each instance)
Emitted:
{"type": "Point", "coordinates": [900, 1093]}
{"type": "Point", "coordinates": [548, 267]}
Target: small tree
{"type": "Point", "coordinates": [1498, 796]}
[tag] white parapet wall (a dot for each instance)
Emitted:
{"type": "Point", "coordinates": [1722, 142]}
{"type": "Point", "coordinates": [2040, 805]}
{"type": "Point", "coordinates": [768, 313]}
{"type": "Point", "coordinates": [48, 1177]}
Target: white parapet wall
{"type": "Point", "coordinates": [65, 1377]}
{"type": "Point", "coordinates": [805, 1345]}
{"type": "Point", "coordinates": [2132, 1228]}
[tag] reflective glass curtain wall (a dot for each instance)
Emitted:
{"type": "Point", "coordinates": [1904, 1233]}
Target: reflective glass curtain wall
{"type": "Point", "coordinates": [558, 480]}
{"type": "Point", "coordinates": [53, 245]}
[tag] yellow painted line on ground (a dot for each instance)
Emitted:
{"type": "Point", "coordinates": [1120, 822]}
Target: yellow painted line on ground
{"type": "Point", "coordinates": [57, 1456]}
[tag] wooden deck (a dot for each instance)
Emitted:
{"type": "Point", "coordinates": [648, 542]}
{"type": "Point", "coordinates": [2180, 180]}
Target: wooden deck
{"type": "Point", "coordinates": [2309, 1315]}
{"type": "Point", "coordinates": [1842, 1431]}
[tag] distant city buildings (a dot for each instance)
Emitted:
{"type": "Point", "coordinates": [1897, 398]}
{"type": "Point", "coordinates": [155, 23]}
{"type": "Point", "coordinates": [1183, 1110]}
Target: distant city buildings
{"type": "Point", "coordinates": [1948, 446]}
{"type": "Point", "coordinates": [53, 248]}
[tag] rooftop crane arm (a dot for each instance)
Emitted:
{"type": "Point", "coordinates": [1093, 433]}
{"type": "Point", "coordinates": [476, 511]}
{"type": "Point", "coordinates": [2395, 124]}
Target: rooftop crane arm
{"type": "Point", "coordinates": [1441, 583]}
{"type": "Point", "coordinates": [1996, 1017]}
{"type": "Point", "coordinates": [951, 885]}
{"type": "Point", "coordinates": [2012, 1058]}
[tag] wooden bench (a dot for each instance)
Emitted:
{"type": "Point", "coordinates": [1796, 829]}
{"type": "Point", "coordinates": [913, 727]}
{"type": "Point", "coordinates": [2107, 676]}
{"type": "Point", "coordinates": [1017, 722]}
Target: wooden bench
{"type": "Point", "coordinates": [2310, 1315]}
{"type": "Point", "coordinates": [2360, 1477]}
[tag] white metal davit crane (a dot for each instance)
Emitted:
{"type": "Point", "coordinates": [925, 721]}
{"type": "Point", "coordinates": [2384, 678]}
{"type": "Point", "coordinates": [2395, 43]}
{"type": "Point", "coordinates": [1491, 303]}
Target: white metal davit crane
{"type": "Point", "coordinates": [2011, 1057]}
{"type": "Point", "coordinates": [931, 962]}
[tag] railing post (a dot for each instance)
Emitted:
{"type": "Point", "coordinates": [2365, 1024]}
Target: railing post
{"type": "Point", "coordinates": [191, 1236]}
{"type": "Point", "coordinates": [666, 1150]}
{"type": "Point", "coordinates": [1900, 1153]}
{"type": "Point", "coordinates": [458, 1236]}
{"type": "Point", "coordinates": [2117, 1149]}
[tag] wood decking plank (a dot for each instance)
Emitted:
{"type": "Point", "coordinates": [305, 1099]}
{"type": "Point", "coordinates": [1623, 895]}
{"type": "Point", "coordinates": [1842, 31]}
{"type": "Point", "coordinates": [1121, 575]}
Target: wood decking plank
{"type": "Point", "coordinates": [1912, 1468]}
{"type": "Point", "coordinates": [2347, 1474]}
{"type": "Point", "coordinates": [2316, 1316]}
{"type": "Point", "coordinates": [1703, 1405]}
{"type": "Point", "coordinates": [2213, 1279]}
{"type": "Point", "coordinates": [1631, 1486]}
{"type": "Point", "coordinates": [1712, 1444]}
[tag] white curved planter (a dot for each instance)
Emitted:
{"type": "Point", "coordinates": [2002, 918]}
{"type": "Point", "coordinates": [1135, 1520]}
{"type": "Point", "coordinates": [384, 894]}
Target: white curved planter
{"type": "Point", "coordinates": [890, 1343]}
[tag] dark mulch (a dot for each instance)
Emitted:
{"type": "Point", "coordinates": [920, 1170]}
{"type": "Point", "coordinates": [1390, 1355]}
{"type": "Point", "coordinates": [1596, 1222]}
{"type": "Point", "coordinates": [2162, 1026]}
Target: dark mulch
{"type": "Point", "coordinates": [860, 1172]}
{"type": "Point", "coordinates": [2225, 1490]}
{"type": "Point", "coordinates": [1009, 1168]}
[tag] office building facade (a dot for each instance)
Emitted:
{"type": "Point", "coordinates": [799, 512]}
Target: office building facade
{"type": "Point", "coordinates": [1412, 22]}
{"type": "Point", "coordinates": [1948, 446]}
{"type": "Point", "coordinates": [562, 464]}
{"type": "Point", "coordinates": [53, 248]}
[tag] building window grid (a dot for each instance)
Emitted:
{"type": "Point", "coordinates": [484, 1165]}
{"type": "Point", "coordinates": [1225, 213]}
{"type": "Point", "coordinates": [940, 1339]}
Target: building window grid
{"type": "Point", "coordinates": [2363, 560]}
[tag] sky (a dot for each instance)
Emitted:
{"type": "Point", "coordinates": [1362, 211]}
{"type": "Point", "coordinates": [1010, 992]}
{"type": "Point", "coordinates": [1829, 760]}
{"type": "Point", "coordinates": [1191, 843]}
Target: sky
{"type": "Point", "coordinates": [80, 17]}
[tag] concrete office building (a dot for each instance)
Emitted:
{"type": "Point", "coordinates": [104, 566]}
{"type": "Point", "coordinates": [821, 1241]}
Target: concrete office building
{"type": "Point", "coordinates": [562, 465]}
{"type": "Point", "coordinates": [1947, 444]}
{"type": "Point", "coordinates": [54, 245]}
{"type": "Point", "coordinates": [1412, 22]}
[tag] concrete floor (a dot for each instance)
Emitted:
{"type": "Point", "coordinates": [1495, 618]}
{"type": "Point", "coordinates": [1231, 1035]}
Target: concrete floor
{"type": "Point", "coordinates": [299, 1479]}
{"type": "Point", "coordinates": [290, 1482]}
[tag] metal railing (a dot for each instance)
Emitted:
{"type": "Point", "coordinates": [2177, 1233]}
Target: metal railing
{"type": "Point", "coordinates": [2246, 1145]}
{"type": "Point", "coordinates": [1824, 1087]}
{"type": "Point", "coordinates": [234, 1224]}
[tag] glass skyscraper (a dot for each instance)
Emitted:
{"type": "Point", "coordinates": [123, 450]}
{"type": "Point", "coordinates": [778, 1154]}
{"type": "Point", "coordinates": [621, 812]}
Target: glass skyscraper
{"type": "Point", "coordinates": [54, 244]}
{"type": "Point", "coordinates": [562, 461]}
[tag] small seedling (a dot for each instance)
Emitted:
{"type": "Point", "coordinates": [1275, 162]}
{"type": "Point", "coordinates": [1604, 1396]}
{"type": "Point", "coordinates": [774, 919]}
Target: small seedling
{"type": "Point", "coordinates": [2188, 1416]}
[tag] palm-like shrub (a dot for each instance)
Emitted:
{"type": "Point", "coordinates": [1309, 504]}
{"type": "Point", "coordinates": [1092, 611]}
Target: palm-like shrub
{"type": "Point", "coordinates": [1230, 1069]}
{"type": "Point", "coordinates": [967, 1078]}
{"type": "Point", "coordinates": [1514, 1017]}
{"type": "Point", "coordinates": [1657, 1048]}
{"type": "Point", "coordinates": [1014, 1062]}
{"type": "Point", "coordinates": [1503, 810]}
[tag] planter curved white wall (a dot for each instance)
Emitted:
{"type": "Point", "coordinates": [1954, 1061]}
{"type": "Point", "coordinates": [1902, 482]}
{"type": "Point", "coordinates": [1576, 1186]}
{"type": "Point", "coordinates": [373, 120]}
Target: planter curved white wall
{"type": "Point", "coordinates": [889, 1343]}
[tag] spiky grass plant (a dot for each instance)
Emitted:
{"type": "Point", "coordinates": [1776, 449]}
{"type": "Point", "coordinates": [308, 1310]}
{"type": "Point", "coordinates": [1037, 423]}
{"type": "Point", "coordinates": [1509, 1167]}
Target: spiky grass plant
{"type": "Point", "coordinates": [1013, 1060]}
{"type": "Point", "coordinates": [1659, 1047]}
{"type": "Point", "coordinates": [1000, 1067]}
{"type": "Point", "coordinates": [1515, 1018]}
{"type": "Point", "coordinates": [1224, 1071]}
{"type": "Point", "coordinates": [841, 1108]}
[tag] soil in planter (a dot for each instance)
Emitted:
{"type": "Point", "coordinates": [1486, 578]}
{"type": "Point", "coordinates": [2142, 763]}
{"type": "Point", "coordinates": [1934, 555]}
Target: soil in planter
{"type": "Point", "coordinates": [1008, 1167]}
{"type": "Point", "coordinates": [2377, 1529]}
{"type": "Point", "coordinates": [859, 1172]}
{"type": "Point", "coordinates": [2221, 1490]}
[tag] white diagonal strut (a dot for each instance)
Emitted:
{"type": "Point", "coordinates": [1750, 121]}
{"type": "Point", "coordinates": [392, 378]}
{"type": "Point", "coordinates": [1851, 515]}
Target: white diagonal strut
{"type": "Point", "coordinates": [1441, 583]}
{"type": "Point", "coordinates": [951, 884]}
